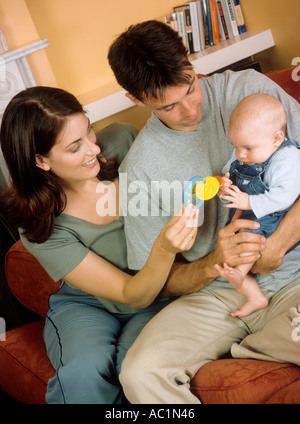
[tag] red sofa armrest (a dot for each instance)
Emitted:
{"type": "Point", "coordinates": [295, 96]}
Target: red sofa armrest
{"type": "Point", "coordinates": [28, 280]}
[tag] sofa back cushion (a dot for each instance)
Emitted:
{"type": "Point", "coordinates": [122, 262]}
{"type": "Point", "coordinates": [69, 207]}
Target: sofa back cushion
{"type": "Point", "coordinates": [288, 79]}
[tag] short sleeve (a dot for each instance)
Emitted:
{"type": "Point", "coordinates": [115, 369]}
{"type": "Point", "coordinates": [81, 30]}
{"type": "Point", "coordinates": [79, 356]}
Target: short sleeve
{"type": "Point", "coordinates": [116, 139]}
{"type": "Point", "coordinates": [60, 254]}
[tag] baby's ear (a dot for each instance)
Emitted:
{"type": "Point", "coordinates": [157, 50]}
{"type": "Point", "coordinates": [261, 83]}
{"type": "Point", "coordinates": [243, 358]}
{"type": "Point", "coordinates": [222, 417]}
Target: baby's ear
{"type": "Point", "coordinates": [278, 138]}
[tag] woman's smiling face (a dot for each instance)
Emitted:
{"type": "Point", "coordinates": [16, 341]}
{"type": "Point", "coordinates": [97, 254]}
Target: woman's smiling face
{"type": "Point", "coordinates": [73, 157]}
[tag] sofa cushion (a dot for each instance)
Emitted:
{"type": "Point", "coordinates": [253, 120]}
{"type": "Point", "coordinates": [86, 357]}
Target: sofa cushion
{"type": "Point", "coordinates": [287, 395]}
{"type": "Point", "coordinates": [245, 381]}
{"type": "Point", "coordinates": [287, 80]}
{"type": "Point", "coordinates": [22, 268]}
{"type": "Point", "coordinates": [24, 372]}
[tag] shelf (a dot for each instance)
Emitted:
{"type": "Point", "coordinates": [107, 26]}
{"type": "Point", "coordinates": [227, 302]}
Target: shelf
{"type": "Point", "coordinates": [230, 51]}
{"type": "Point", "coordinates": [111, 98]}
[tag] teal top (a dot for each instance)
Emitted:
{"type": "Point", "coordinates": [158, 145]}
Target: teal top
{"type": "Point", "coordinates": [72, 237]}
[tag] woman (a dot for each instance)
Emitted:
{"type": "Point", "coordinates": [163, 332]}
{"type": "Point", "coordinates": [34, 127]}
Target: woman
{"type": "Point", "coordinates": [59, 179]}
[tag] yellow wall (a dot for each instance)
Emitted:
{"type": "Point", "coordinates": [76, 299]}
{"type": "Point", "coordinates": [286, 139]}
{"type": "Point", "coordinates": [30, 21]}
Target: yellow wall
{"type": "Point", "coordinates": [283, 17]}
{"type": "Point", "coordinates": [17, 23]}
{"type": "Point", "coordinates": [80, 32]}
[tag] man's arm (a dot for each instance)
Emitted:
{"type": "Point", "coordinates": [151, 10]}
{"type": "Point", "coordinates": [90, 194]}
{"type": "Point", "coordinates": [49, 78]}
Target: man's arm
{"type": "Point", "coordinates": [286, 235]}
{"type": "Point", "coordinates": [186, 278]}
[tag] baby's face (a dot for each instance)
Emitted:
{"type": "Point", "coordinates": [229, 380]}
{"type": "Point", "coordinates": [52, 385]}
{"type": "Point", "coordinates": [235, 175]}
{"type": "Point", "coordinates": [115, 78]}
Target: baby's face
{"type": "Point", "coordinates": [254, 145]}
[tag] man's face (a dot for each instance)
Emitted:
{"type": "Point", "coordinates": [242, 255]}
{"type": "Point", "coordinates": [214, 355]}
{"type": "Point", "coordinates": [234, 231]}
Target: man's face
{"type": "Point", "coordinates": [181, 107]}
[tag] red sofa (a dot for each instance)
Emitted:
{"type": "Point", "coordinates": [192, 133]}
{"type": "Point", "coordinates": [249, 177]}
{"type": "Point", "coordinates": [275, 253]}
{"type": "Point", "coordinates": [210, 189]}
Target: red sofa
{"type": "Point", "coordinates": [25, 368]}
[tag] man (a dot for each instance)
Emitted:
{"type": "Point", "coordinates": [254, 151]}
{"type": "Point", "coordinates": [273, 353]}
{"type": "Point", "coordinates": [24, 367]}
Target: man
{"type": "Point", "coordinates": [186, 136]}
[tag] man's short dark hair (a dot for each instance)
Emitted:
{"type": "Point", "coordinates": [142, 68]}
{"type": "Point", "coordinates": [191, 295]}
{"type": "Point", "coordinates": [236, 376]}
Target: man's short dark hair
{"type": "Point", "coordinates": [147, 58]}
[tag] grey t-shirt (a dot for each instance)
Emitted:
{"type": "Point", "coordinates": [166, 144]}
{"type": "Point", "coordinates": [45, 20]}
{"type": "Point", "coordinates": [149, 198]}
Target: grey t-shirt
{"type": "Point", "coordinates": [162, 157]}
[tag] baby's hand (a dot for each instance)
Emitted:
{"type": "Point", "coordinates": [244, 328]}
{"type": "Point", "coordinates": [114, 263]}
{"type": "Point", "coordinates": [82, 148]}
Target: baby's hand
{"type": "Point", "coordinates": [226, 180]}
{"type": "Point", "coordinates": [226, 183]}
{"type": "Point", "coordinates": [238, 198]}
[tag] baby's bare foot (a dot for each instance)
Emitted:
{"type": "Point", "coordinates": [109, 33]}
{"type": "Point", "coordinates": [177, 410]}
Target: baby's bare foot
{"type": "Point", "coordinates": [251, 305]}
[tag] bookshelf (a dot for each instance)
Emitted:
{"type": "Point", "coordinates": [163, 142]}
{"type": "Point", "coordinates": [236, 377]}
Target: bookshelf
{"type": "Point", "coordinates": [110, 99]}
{"type": "Point", "coordinates": [227, 52]}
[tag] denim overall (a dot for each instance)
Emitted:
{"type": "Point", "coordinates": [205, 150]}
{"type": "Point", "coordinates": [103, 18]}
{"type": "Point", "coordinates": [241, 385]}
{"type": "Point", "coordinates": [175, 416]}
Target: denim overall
{"type": "Point", "coordinates": [250, 180]}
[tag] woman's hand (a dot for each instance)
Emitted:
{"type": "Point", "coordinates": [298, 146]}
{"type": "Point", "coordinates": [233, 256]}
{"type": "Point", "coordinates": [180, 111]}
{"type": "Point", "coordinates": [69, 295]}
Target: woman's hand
{"type": "Point", "coordinates": [179, 233]}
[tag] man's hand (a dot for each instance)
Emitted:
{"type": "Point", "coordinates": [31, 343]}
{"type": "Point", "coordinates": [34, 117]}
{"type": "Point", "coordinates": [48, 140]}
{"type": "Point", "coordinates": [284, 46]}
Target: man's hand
{"type": "Point", "coordinates": [233, 243]}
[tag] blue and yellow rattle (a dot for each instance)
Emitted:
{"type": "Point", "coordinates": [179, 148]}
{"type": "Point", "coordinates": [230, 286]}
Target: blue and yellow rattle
{"type": "Point", "coordinates": [204, 188]}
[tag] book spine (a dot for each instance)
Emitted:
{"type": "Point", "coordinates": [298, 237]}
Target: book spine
{"type": "Point", "coordinates": [222, 23]}
{"type": "Point", "coordinates": [209, 24]}
{"type": "Point", "coordinates": [205, 23]}
{"type": "Point", "coordinates": [195, 26]}
{"type": "Point", "coordinates": [233, 21]}
{"type": "Point", "coordinates": [171, 20]}
{"type": "Point", "coordinates": [239, 16]}
{"type": "Point", "coordinates": [181, 26]}
{"type": "Point", "coordinates": [189, 29]}
{"type": "Point", "coordinates": [227, 17]}
{"type": "Point", "coordinates": [214, 21]}
{"type": "Point", "coordinates": [200, 22]}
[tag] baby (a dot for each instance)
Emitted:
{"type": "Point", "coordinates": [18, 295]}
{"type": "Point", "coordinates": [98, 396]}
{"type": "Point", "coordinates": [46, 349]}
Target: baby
{"type": "Point", "coordinates": [261, 178]}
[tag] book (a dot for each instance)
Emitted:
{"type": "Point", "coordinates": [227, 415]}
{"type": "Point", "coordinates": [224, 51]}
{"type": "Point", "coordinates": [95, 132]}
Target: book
{"type": "Point", "coordinates": [171, 20]}
{"type": "Point", "coordinates": [227, 17]}
{"type": "Point", "coordinates": [205, 22]}
{"type": "Point", "coordinates": [181, 26]}
{"type": "Point", "coordinates": [214, 21]}
{"type": "Point", "coordinates": [209, 23]}
{"type": "Point", "coordinates": [188, 26]}
{"type": "Point", "coordinates": [239, 17]}
{"type": "Point", "coordinates": [200, 22]}
{"type": "Point", "coordinates": [223, 31]}
{"type": "Point", "coordinates": [233, 21]}
{"type": "Point", "coordinates": [195, 26]}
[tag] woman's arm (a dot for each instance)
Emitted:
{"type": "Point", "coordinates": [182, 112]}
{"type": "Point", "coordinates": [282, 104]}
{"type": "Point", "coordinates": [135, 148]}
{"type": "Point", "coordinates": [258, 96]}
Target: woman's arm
{"type": "Point", "coordinates": [188, 278]}
{"type": "Point", "coordinates": [100, 278]}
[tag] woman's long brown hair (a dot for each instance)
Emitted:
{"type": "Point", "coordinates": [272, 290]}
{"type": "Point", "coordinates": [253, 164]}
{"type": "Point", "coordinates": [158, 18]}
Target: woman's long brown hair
{"type": "Point", "coordinates": [31, 124]}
